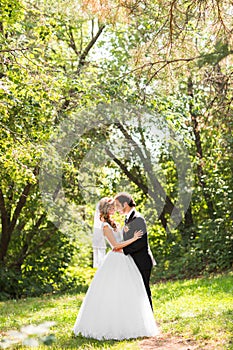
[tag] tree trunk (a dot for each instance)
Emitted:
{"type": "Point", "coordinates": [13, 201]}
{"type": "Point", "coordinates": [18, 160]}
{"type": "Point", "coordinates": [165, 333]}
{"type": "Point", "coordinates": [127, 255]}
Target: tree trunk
{"type": "Point", "coordinates": [159, 195]}
{"type": "Point", "coordinates": [8, 225]}
{"type": "Point", "coordinates": [25, 248]}
{"type": "Point", "coordinates": [156, 192]}
{"type": "Point", "coordinates": [5, 220]}
{"type": "Point", "coordinates": [1, 28]}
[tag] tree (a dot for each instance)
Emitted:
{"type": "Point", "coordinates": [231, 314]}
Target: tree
{"type": "Point", "coordinates": [37, 88]}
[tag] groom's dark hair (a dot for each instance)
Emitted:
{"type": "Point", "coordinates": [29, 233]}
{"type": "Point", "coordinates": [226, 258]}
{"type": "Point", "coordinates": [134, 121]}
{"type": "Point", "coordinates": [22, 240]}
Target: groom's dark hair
{"type": "Point", "coordinates": [123, 197]}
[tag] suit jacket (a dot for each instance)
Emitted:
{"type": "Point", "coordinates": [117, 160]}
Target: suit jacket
{"type": "Point", "coordinates": [139, 250]}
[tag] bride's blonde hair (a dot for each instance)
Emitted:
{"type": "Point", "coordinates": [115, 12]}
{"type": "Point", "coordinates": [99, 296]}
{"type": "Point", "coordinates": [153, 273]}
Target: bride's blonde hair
{"type": "Point", "coordinates": [104, 206]}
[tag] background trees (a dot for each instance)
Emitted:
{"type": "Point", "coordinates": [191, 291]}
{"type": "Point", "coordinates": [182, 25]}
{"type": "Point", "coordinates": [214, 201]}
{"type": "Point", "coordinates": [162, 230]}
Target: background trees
{"type": "Point", "coordinates": [170, 59]}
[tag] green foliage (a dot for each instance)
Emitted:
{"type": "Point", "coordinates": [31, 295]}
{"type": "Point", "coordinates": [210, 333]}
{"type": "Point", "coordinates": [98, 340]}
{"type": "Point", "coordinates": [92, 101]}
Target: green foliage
{"type": "Point", "coordinates": [11, 11]}
{"type": "Point", "coordinates": [221, 51]}
{"type": "Point", "coordinates": [211, 251]}
{"type": "Point", "coordinates": [43, 271]}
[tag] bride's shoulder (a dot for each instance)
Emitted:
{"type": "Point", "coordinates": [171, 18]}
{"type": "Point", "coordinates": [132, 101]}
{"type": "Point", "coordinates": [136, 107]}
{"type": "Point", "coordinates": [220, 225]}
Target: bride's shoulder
{"type": "Point", "coordinates": [104, 224]}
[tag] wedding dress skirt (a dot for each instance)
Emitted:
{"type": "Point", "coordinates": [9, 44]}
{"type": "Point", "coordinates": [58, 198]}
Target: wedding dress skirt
{"type": "Point", "coordinates": [116, 305]}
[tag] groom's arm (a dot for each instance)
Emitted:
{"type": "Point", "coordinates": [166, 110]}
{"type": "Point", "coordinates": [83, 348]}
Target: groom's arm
{"type": "Point", "coordinates": [139, 224]}
{"type": "Point", "coordinates": [136, 246]}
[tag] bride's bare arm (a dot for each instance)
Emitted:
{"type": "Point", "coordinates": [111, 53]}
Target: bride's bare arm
{"type": "Point", "coordinates": [108, 233]}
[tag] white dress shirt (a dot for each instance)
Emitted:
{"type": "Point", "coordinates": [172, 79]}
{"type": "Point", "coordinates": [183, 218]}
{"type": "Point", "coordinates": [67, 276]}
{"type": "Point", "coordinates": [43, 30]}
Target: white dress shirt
{"type": "Point", "coordinates": [129, 213]}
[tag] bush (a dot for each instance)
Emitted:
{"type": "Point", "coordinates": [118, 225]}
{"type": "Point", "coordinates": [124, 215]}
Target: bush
{"type": "Point", "coordinates": [210, 251]}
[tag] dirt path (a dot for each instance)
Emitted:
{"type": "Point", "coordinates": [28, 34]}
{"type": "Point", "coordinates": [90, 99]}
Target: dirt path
{"type": "Point", "coordinates": [168, 342]}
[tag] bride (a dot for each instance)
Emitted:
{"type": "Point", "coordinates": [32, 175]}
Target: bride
{"type": "Point", "coordinates": [116, 305]}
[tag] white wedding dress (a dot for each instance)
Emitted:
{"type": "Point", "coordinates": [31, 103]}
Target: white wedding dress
{"type": "Point", "coordinates": [116, 305]}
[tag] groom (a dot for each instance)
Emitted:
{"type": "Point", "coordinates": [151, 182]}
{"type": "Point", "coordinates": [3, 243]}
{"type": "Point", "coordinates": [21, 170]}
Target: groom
{"type": "Point", "coordinates": [139, 250]}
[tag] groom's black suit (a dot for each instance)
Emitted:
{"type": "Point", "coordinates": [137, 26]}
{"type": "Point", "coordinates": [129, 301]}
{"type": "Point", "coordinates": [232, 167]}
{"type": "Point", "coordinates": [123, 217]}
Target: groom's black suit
{"type": "Point", "coordinates": [139, 249]}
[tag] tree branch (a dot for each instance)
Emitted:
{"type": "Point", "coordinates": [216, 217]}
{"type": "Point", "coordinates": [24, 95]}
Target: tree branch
{"type": "Point", "coordinates": [171, 25]}
{"type": "Point", "coordinates": [162, 202]}
{"type": "Point", "coordinates": [24, 251]}
{"type": "Point", "coordinates": [21, 203]}
{"type": "Point", "coordinates": [72, 41]}
{"type": "Point", "coordinates": [122, 166]}
{"type": "Point", "coordinates": [164, 62]}
{"type": "Point", "coordinates": [14, 50]}
{"type": "Point", "coordinates": [5, 222]}
{"type": "Point", "coordinates": [158, 189]}
{"type": "Point", "coordinates": [86, 51]}
{"type": "Point", "coordinates": [81, 63]}
{"type": "Point", "coordinates": [3, 211]}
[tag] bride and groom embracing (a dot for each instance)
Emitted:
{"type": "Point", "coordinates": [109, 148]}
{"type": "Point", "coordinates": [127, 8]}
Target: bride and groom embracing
{"type": "Point", "coordinates": [118, 302]}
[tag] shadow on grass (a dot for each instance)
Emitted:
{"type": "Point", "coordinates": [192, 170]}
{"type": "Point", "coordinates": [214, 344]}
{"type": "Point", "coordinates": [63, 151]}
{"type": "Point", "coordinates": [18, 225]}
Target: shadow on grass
{"type": "Point", "coordinates": [74, 342]}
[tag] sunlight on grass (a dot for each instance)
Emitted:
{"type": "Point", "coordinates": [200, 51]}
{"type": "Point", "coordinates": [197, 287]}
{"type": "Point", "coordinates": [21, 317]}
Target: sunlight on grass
{"type": "Point", "coordinates": [200, 309]}
{"type": "Point", "coordinates": [197, 309]}
{"type": "Point", "coordinates": [61, 309]}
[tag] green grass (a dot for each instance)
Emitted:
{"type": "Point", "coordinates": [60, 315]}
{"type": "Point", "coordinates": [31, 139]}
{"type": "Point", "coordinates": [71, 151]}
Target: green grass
{"type": "Point", "coordinates": [197, 309]}
{"type": "Point", "coordinates": [200, 309]}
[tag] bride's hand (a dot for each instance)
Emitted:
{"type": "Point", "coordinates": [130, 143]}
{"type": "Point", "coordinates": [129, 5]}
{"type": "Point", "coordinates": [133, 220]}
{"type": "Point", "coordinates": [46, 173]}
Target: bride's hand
{"type": "Point", "coordinates": [138, 234]}
{"type": "Point", "coordinates": [117, 250]}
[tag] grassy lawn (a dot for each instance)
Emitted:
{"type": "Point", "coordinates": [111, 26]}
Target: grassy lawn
{"type": "Point", "coordinates": [199, 309]}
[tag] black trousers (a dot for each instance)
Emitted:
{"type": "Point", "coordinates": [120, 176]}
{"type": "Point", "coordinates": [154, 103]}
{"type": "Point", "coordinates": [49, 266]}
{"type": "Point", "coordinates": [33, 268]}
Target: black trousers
{"type": "Point", "coordinates": [146, 279]}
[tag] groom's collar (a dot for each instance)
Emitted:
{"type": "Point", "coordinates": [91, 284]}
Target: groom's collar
{"type": "Point", "coordinates": [129, 213]}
